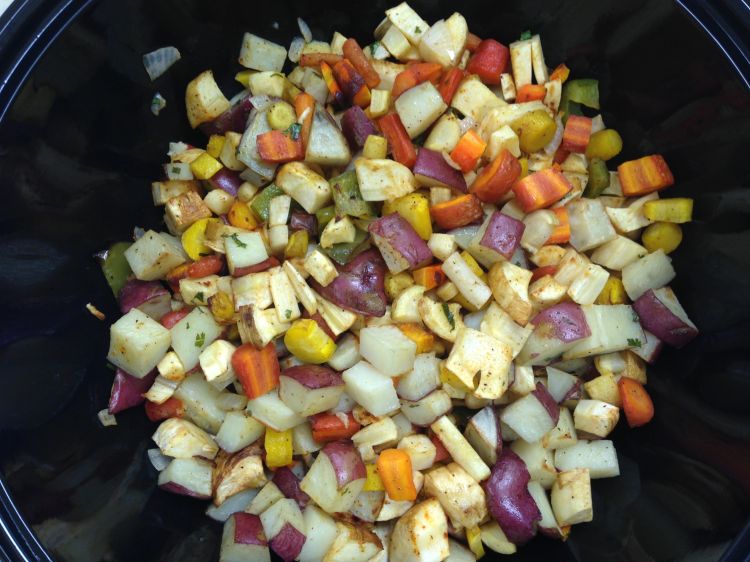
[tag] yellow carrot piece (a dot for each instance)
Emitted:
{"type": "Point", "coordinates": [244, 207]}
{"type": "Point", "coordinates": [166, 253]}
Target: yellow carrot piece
{"type": "Point", "coordinates": [278, 445]}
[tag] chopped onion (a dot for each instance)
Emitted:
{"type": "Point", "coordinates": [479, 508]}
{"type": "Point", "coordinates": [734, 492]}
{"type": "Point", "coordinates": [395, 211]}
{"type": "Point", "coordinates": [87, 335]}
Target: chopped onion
{"type": "Point", "coordinates": [466, 124]}
{"type": "Point", "coordinates": [158, 103]}
{"type": "Point", "coordinates": [158, 62]}
{"type": "Point", "coordinates": [295, 49]}
{"type": "Point", "coordinates": [158, 461]}
{"type": "Point", "coordinates": [304, 29]}
{"type": "Point", "coordinates": [138, 232]}
{"type": "Point", "coordinates": [176, 148]}
{"type": "Point", "coordinates": [597, 124]}
{"type": "Point", "coordinates": [106, 419]}
{"type": "Point", "coordinates": [554, 144]}
{"type": "Point", "coordinates": [262, 102]}
{"type": "Point", "coordinates": [450, 161]}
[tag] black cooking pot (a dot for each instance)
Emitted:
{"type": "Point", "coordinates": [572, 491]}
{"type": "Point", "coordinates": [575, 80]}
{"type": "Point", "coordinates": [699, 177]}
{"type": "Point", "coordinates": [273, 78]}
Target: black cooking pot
{"type": "Point", "coordinates": [79, 146]}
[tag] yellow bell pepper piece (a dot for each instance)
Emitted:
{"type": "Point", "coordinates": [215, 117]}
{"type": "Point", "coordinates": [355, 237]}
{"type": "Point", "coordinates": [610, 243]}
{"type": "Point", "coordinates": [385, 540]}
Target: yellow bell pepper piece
{"type": "Point", "coordinates": [665, 236]}
{"type": "Point", "coordinates": [415, 208]}
{"type": "Point", "coordinates": [205, 166]}
{"type": "Point", "coordinates": [376, 147]}
{"type": "Point", "coordinates": [241, 216]}
{"type": "Point", "coordinates": [524, 167]}
{"type": "Point", "coordinates": [308, 342]}
{"type": "Point", "coordinates": [243, 77]}
{"type": "Point", "coordinates": [474, 539]}
{"type": "Point", "coordinates": [278, 445]}
{"type": "Point", "coordinates": [473, 264]}
{"type": "Point", "coordinates": [373, 483]}
{"type": "Point", "coordinates": [394, 284]}
{"type": "Point", "coordinates": [448, 377]}
{"type": "Point", "coordinates": [677, 210]}
{"type": "Point", "coordinates": [424, 339]}
{"type": "Point", "coordinates": [604, 144]}
{"type": "Point", "coordinates": [215, 144]}
{"type": "Point", "coordinates": [193, 239]}
{"type": "Point", "coordinates": [222, 307]}
{"type": "Point", "coordinates": [612, 293]}
{"type": "Point", "coordinates": [296, 247]}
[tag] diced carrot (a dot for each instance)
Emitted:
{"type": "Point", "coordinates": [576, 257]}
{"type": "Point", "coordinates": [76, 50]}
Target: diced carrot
{"type": "Point", "coordinates": [304, 106]}
{"type": "Point", "coordinates": [460, 211]}
{"type": "Point", "coordinates": [577, 133]}
{"type": "Point", "coordinates": [560, 155]}
{"type": "Point", "coordinates": [530, 92]}
{"type": "Point", "coordinates": [441, 453]}
{"type": "Point", "coordinates": [208, 265]}
{"type": "Point", "coordinates": [316, 59]}
{"type": "Point", "coordinates": [637, 404]}
{"type": "Point", "coordinates": [645, 175]}
{"type": "Point", "coordinates": [468, 151]}
{"type": "Point", "coordinates": [560, 73]}
{"type": "Point", "coordinates": [561, 233]}
{"type": "Point", "coordinates": [394, 468]}
{"type": "Point", "coordinates": [415, 74]}
{"type": "Point", "coordinates": [333, 87]}
{"type": "Point", "coordinates": [472, 42]}
{"type": "Point", "coordinates": [540, 272]}
{"type": "Point", "coordinates": [173, 316]}
{"type": "Point", "coordinates": [425, 340]}
{"type": "Point", "coordinates": [363, 97]}
{"type": "Point", "coordinates": [171, 408]}
{"type": "Point", "coordinates": [429, 277]}
{"type": "Point", "coordinates": [276, 147]}
{"type": "Point", "coordinates": [256, 369]}
{"type": "Point", "coordinates": [541, 189]}
{"type": "Point", "coordinates": [356, 56]}
{"type": "Point", "coordinates": [496, 179]}
{"type": "Point", "coordinates": [257, 268]}
{"type": "Point", "coordinates": [449, 83]}
{"type": "Point", "coordinates": [174, 276]}
{"type": "Point", "coordinates": [331, 427]}
{"type": "Point", "coordinates": [398, 139]}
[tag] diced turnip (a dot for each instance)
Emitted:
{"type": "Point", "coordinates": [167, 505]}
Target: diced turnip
{"type": "Point", "coordinates": [268, 495]}
{"type": "Point", "coordinates": [571, 497]}
{"type": "Point", "coordinates": [499, 324]}
{"type": "Point", "coordinates": [400, 245]}
{"type": "Point", "coordinates": [270, 410]}
{"type": "Point", "coordinates": [194, 333]}
{"type": "Point", "coordinates": [432, 170]}
{"type": "Point", "coordinates": [444, 136]}
{"type": "Point", "coordinates": [181, 439]}
{"type": "Point", "coordinates": [533, 415]}
{"type": "Point", "coordinates": [371, 388]}
{"type": "Point", "coordinates": [474, 99]}
{"type": "Point", "coordinates": [243, 539]}
{"type": "Point", "coordinates": [539, 461]}
{"type": "Point", "coordinates": [460, 496]}
{"type": "Point", "coordinates": [557, 329]}
{"type": "Point", "coordinates": [460, 449]}
{"type": "Point", "coordinates": [588, 285]}
{"type": "Point", "coordinates": [401, 351]}
{"type": "Point", "coordinates": [327, 145]}
{"type": "Point", "coordinates": [613, 328]}
{"type": "Point", "coordinates": [408, 21]}
{"type": "Point", "coordinates": [423, 378]}
{"type": "Point", "coordinates": [187, 477]}
{"type": "Point", "coordinates": [596, 417]}
{"type": "Point", "coordinates": [336, 477]}
{"type": "Point", "coordinates": [383, 179]}
{"type": "Point", "coordinates": [421, 534]}
{"type": "Point", "coordinates": [238, 430]}
{"type": "Point", "coordinates": [425, 411]}
{"type": "Point", "coordinates": [471, 286]}
{"type": "Point", "coordinates": [589, 224]}
{"type": "Point", "coordinates": [444, 41]}
{"type": "Point", "coordinates": [419, 107]}
{"type": "Point", "coordinates": [599, 457]}
{"type": "Point", "coordinates": [260, 54]}
{"type": "Point", "coordinates": [310, 389]}
{"type": "Point", "coordinates": [321, 532]}
{"type": "Point", "coordinates": [477, 353]}
{"type": "Point", "coordinates": [353, 543]}
{"type": "Point", "coordinates": [137, 343]}
{"type": "Point", "coordinates": [200, 400]}
{"type": "Point", "coordinates": [305, 186]}
{"type": "Point", "coordinates": [650, 347]}
{"type": "Point", "coordinates": [483, 433]}
{"type": "Point", "coordinates": [510, 287]}
{"type": "Point", "coordinates": [538, 228]}
{"type": "Point", "coordinates": [653, 271]}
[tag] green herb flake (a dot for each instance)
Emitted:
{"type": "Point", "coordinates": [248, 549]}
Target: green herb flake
{"type": "Point", "coordinates": [199, 296]}
{"type": "Point", "coordinates": [236, 239]}
{"type": "Point", "coordinates": [200, 339]}
{"type": "Point", "coordinates": [636, 318]}
{"type": "Point", "coordinates": [449, 316]}
{"type": "Point", "coordinates": [375, 46]}
{"type": "Point", "coordinates": [188, 325]}
{"type": "Point", "coordinates": [293, 131]}
{"type": "Point", "coordinates": [175, 170]}
{"type": "Point", "coordinates": [288, 314]}
{"type": "Point", "coordinates": [417, 29]}
{"type": "Point", "coordinates": [634, 342]}
{"type": "Point", "coordinates": [525, 36]}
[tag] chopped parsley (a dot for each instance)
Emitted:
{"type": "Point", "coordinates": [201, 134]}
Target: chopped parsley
{"type": "Point", "coordinates": [288, 314]}
{"type": "Point", "coordinates": [417, 29]}
{"type": "Point", "coordinates": [236, 239]}
{"type": "Point", "coordinates": [449, 316]}
{"type": "Point", "coordinates": [634, 342]}
{"type": "Point", "coordinates": [175, 170]}
{"type": "Point", "coordinates": [636, 318]}
{"type": "Point", "coordinates": [188, 325]}
{"type": "Point", "coordinates": [110, 366]}
{"type": "Point", "coordinates": [199, 296]}
{"type": "Point", "coordinates": [200, 339]}
{"type": "Point", "coordinates": [294, 130]}
{"type": "Point", "coordinates": [525, 36]}
{"type": "Point", "coordinates": [374, 47]}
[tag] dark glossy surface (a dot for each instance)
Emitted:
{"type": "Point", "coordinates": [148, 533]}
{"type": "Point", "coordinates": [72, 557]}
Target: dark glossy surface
{"type": "Point", "coordinates": [77, 153]}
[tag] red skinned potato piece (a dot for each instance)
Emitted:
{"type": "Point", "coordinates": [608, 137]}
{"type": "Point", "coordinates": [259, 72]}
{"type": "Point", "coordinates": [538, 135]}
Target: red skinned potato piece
{"type": "Point", "coordinates": [288, 483]}
{"type": "Point", "coordinates": [314, 376]}
{"type": "Point", "coordinates": [127, 390]}
{"type": "Point", "coordinates": [148, 296]}
{"type": "Point", "coordinates": [509, 499]}
{"type": "Point", "coordinates": [360, 285]}
{"type": "Point", "coordinates": [233, 119]}
{"type": "Point", "coordinates": [303, 221]}
{"type": "Point", "coordinates": [226, 179]}
{"type": "Point", "coordinates": [346, 462]}
{"type": "Point", "coordinates": [661, 314]}
{"type": "Point", "coordinates": [257, 268]}
{"type": "Point", "coordinates": [545, 399]}
{"type": "Point", "coordinates": [503, 234]}
{"type": "Point", "coordinates": [356, 127]}
{"type": "Point", "coordinates": [288, 542]}
{"type": "Point", "coordinates": [566, 321]}
{"type": "Point", "coordinates": [248, 529]}
{"type": "Point", "coordinates": [432, 170]}
{"type": "Point", "coordinates": [399, 244]}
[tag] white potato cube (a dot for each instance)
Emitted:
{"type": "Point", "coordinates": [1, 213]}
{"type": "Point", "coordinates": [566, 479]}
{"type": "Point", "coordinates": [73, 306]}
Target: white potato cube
{"type": "Point", "coordinates": [137, 343]}
{"type": "Point", "coordinates": [271, 410]}
{"type": "Point", "coordinates": [239, 430]}
{"type": "Point", "coordinates": [653, 271]}
{"type": "Point", "coordinates": [182, 439]}
{"type": "Point", "coordinates": [346, 354]}
{"type": "Point", "coordinates": [387, 349]}
{"type": "Point", "coordinates": [571, 497]}
{"type": "Point", "coordinates": [599, 457]}
{"type": "Point", "coordinates": [596, 417]}
{"type": "Point", "coordinates": [371, 389]}
{"type": "Point", "coordinates": [198, 291]}
{"type": "Point", "coordinates": [154, 255]}
{"type": "Point", "coordinates": [475, 353]}
{"type": "Point", "coordinates": [244, 249]}
{"type": "Point", "coordinates": [383, 179]}
{"type": "Point", "coordinates": [194, 333]}
{"type": "Point", "coordinates": [306, 187]}
{"type": "Point", "coordinates": [421, 450]}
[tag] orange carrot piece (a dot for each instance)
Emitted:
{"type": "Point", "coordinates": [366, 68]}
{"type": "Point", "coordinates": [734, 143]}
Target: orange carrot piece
{"type": "Point", "coordinates": [560, 73]}
{"type": "Point", "coordinates": [362, 98]}
{"type": "Point", "coordinates": [172, 408]}
{"type": "Point", "coordinates": [356, 56]}
{"type": "Point", "coordinates": [472, 42]}
{"type": "Point", "coordinates": [333, 86]}
{"type": "Point", "coordinates": [276, 147]}
{"type": "Point", "coordinates": [304, 106]}
{"type": "Point", "coordinates": [331, 427]}
{"type": "Point", "coordinates": [496, 179]}
{"type": "Point", "coordinates": [530, 92]}
{"type": "Point", "coordinates": [429, 276]}
{"type": "Point", "coordinates": [398, 139]}
{"type": "Point", "coordinates": [347, 77]}
{"type": "Point", "coordinates": [561, 233]}
{"type": "Point", "coordinates": [394, 468]}
{"type": "Point", "coordinates": [315, 59]}
{"type": "Point", "coordinates": [576, 134]}
{"type": "Point", "coordinates": [637, 404]}
{"type": "Point", "coordinates": [468, 151]}
{"type": "Point", "coordinates": [425, 340]}
{"type": "Point", "coordinates": [460, 211]}
{"type": "Point", "coordinates": [256, 369]}
{"type": "Point", "coordinates": [449, 83]}
{"type": "Point", "coordinates": [541, 189]}
{"type": "Point", "coordinates": [415, 74]}
{"type": "Point", "coordinates": [645, 175]}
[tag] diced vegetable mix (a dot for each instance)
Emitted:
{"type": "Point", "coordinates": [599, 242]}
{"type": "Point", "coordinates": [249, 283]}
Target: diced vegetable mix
{"type": "Point", "coordinates": [334, 341]}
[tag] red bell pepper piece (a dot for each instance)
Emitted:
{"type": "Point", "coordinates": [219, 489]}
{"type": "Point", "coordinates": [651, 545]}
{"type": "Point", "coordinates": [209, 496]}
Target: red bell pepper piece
{"type": "Point", "coordinates": [576, 134]}
{"type": "Point", "coordinates": [496, 179]}
{"type": "Point", "coordinates": [530, 92]}
{"type": "Point", "coordinates": [277, 147]}
{"type": "Point", "coordinates": [449, 83]}
{"type": "Point", "coordinates": [645, 175]}
{"type": "Point", "coordinates": [637, 404]}
{"type": "Point", "coordinates": [489, 61]}
{"type": "Point", "coordinates": [415, 74]}
{"type": "Point", "coordinates": [468, 151]}
{"type": "Point", "coordinates": [330, 427]}
{"type": "Point", "coordinates": [398, 139]}
{"type": "Point", "coordinates": [353, 52]}
{"type": "Point", "coordinates": [541, 189]}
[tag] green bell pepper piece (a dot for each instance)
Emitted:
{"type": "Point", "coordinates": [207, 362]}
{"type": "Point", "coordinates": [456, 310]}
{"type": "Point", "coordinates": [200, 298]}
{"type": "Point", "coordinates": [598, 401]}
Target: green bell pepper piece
{"type": "Point", "coordinates": [346, 252]}
{"type": "Point", "coordinates": [324, 216]}
{"type": "Point", "coordinates": [115, 267]}
{"type": "Point", "coordinates": [598, 178]}
{"type": "Point", "coordinates": [347, 197]}
{"type": "Point", "coordinates": [261, 202]}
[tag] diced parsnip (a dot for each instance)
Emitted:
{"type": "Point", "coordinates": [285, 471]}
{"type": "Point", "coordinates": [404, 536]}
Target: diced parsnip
{"type": "Point", "coordinates": [570, 267]}
{"type": "Point", "coordinates": [571, 497]}
{"type": "Point", "coordinates": [182, 439]}
{"type": "Point", "coordinates": [371, 389]}
{"type": "Point", "coordinates": [260, 327]}
{"type": "Point", "coordinates": [421, 450]}
{"type": "Point", "coordinates": [260, 54]}
{"type": "Point", "coordinates": [204, 100]}
{"type": "Point", "coordinates": [541, 74]}
{"type": "Point", "coordinates": [253, 289]}
{"type": "Point", "coordinates": [408, 22]}
{"type": "Point", "coordinates": [653, 271]}
{"type": "Point", "coordinates": [588, 285]}
{"type": "Point", "coordinates": [475, 353]}
{"type": "Point", "coordinates": [244, 249]}
{"type": "Point", "coordinates": [401, 349]}
{"type": "Point", "coordinates": [338, 319]}
{"type": "Point", "coordinates": [171, 368]}
{"type": "Point", "coordinates": [599, 457]}
{"type": "Point", "coordinates": [539, 461]}
{"type": "Point", "coordinates": [613, 328]}
{"type": "Point", "coordinates": [320, 534]}
{"type": "Point", "coordinates": [508, 87]}
{"type": "Point", "coordinates": [154, 255]}
{"type": "Point", "coordinates": [187, 476]}
{"type": "Point", "coordinates": [271, 410]}
{"type": "Point", "coordinates": [278, 210]}
{"type": "Point", "coordinates": [216, 362]}
{"type": "Point", "coordinates": [421, 534]}
{"type": "Point", "coordinates": [238, 430]}
{"type": "Point", "coordinates": [596, 417]}
{"type": "Point", "coordinates": [459, 494]}
{"type": "Point", "coordinates": [510, 287]}
{"type": "Point", "coordinates": [503, 138]}
{"type": "Point", "coordinates": [380, 102]}
{"type": "Point", "coordinates": [442, 245]}
{"type": "Point", "coordinates": [282, 292]}
{"type": "Point", "coordinates": [467, 282]}
{"type": "Point", "coordinates": [459, 449]}
{"type": "Point", "coordinates": [604, 388]}
{"type": "Point", "coordinates": [163, 191]}
{"type": "Point", "coordinates": [617, 253]}
{"type": "Point", "coordinates": [137, 343]}
{"type": "Point", "coordinates": [383, 179]}
{"type": "Point", "coordinates": [444, 41]}
{"type": "Point", "coordinates": [444, 135]}
{"type": "Point", "coordinates": [501, 326]}
{"type": "Point", "coordinates": [443, 319]}
{"type": "Point", "coordinates": [520, 59]}
{"type": "Point", "coordinates": [339, 230]}
{"type": "Point", "coordinates": [553, 95]}
{"type": "Point", "coordinates": [405, 305]}
{"type": "Point", "coordinates": [426, 410]}
{"type": "Point", "coordinates": [228, 154]}
{"type": "Point", "coordinates": [321, 268]}
{"type": "Point", "coordinates": [589, 224]}
{"type": "Point", "coordinates": [302, 290]}
{"type": "Point", "coordinates": [381, 432]}
{"type": "Point", "coordinates": [268, 495]}
{"type": "Point", "coordinates": [419, 107]}
{"type": "Point", "coordinates": [630, 218]}
{"type": "Point", "coordinates": [563, 434]}
{"type": "Point", "coordinates": [475, 100]}
{"type": "Point", "coordinates": [502, 115]}
{"type": "Point", "coordinates": [306, 187]}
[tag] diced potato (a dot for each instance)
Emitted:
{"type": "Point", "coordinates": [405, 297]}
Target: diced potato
{"type": "Point", "coordinates": [171, 368]}
{"type": "Point", "coordinates": [421, 450]}
{"type": "Point", "coordinates": [216, 362]}
{"type": "Point", "coordinates": [604, 388]}
{"type": "Point", "coordinates": [267, 83]}
{"type": "Point", "coordinates": [653, 271]}
{"type": "Point", "coordinates": [419, 107]}
{"type": "Point", "coordinates": [346, 354]}
{"type": "Point", "coordinates": [326, 145]}
{"type": "Point", "coordinates": [613, 328]}
{"type": "Point", "coordinates": [204, 99]}
{"type": "Point", "coordinates": [596, 417]}
{"type": "Point", "coordinates": [137, 343]}
{"type": "Point", "coordinates": [194, 333]}
{"type": "Point", "coordinates": [382, 180]}
{"type": "Point", "coordinates": [306, 187]}
{"type": "Point", "coordinates": [501, 326]}
{"type": "Point", "coordinates": [182, 439]}
{"type": "Point", "coordinates": [571, 497]}
{"type": "Point", "coordinates": [599, 457]}
{"type": "Point", "coordinates": [421, 534]}
{"type": "Point", "coordinates": [239, 430]}
{"type": "Point", "coordinates": [425, 411]}
{"type": "Point", "coordinates": [495, 539]}
{"type": "Point", "coordinates": [381, 432]}
{"type": "Point", "coordinates": [271, 410]}
{"type": "Point", "coordinates": [459, 494]}
{"type": "Point", "coordinates": [539, 461]}
{"type": "Point", "coordinates": [218, 201]}
{"type": "Point", "coordinates": [353, 543]}
{"type": "Point", "coordinates": [444, 41]}
{"type": "Point", "coordinates": [563, 435]}
{"type": "Point", "coordinates": [154, 255]}
{"type": "Point", "coordinates": [370, 388]}
{"type": "Point", "coordinates": [260, 54]}
{"type": "Point", "coordinates": [161, 391]}
{"type": "Point", "coordinates": [266, 498]}
{"type": "Point", "coordinates": [198, 291]}
{"type": "Point", "coordinates": [589, 224]}
{"type": "Point", "coordinates": [474, 99]}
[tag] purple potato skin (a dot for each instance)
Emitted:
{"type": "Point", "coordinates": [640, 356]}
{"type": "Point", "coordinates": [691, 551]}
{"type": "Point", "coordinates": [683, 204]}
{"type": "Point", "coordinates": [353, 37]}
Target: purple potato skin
{"type": "Point", "coordinates": [288, 543]}
{"type": "Point", "coordinates": [431, 169]}
{"type": "Point", "coordinates": [356, 127]}
{"type": "Point", "coordinates": [545, 398]}
{"type": "Point", "coordinates": [566, 321]}
{"type": "Point", "coordinates": [393, 234]}
{"type": "Point", "coordinates": [127, 390]}
{"type": "Point", "coordinates": [503, 234]}
{"type": "Point", "coordinates": [233, 119]}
